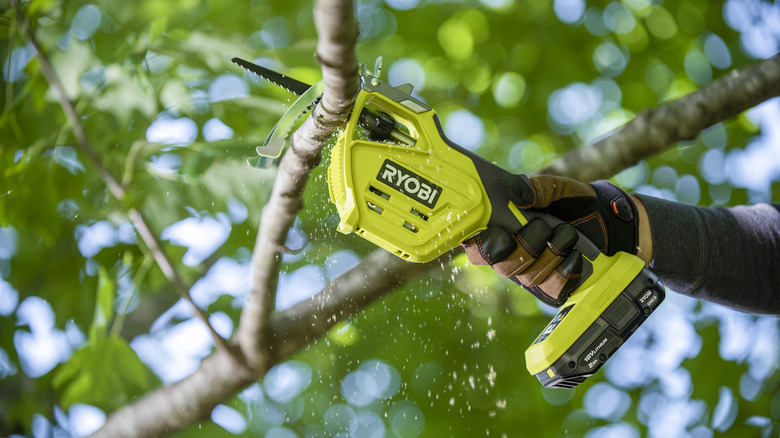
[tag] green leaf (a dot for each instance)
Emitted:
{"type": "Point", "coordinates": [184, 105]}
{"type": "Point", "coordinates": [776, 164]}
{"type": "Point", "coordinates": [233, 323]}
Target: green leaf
{"type": "Point", "coordinates": [41, 6]}
{"type": "Point", "coordinates": [106, 293]}
{"type": "Point", "coordinates": [105, 374]}
{"type": "Point", "coordinates": [8, 24]}
{"type": "Point", "coordinates": [158, 26]}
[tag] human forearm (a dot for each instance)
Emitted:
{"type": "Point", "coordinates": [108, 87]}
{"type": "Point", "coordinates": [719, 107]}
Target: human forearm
{"type": "Point", "coordinates": [728, 256]}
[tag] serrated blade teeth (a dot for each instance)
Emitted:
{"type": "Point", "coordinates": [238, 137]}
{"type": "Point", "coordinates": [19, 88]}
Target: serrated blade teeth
{"type": "Point", "coordinates": [291, 85]}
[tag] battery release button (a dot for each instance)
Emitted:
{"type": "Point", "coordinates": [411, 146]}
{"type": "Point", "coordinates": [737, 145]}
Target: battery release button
{"type": "Point", "coordinates": [620, 312]}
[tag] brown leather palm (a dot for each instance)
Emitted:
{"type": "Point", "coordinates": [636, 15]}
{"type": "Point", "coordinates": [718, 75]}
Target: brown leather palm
{"type": "Point", "coordinates": [543, 258]}
{"type": "Point", "coordinates": [539, 257]}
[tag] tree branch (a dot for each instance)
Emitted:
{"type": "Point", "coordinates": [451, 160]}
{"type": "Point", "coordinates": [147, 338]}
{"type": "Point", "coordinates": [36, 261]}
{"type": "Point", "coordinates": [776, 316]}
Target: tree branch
{"type": "Point", "coordinates": [344, 297]}
{"type": "Point", "coordinates": [337, 32]}
{"type": "Point", "coordinates": [167, 410]}
{"type": "Point", "coordinates": [170, 272]}
{"type": "Point", "coordinates": [655, 130]}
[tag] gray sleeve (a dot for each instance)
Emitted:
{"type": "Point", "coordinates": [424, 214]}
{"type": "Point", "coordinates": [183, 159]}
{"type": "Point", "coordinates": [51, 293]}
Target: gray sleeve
{"type": "Point", "coordinates": [727, 256]}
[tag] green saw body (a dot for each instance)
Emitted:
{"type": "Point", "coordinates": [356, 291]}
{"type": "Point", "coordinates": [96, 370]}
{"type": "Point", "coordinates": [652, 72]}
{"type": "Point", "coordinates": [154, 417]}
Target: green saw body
{"type": "Point", "coordinates": [397, 181]}
{"type": "Point", "coordinates": [419, 201]}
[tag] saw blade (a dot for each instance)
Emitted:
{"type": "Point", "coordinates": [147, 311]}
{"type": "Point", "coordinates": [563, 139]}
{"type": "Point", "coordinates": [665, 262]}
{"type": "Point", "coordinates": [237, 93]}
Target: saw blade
{"type": "Point", "coordinates": [309, 95]}
{"type": "Point", "coordinates": [274, 144]}
{"type": "Point", "coordinates": [292, 85]}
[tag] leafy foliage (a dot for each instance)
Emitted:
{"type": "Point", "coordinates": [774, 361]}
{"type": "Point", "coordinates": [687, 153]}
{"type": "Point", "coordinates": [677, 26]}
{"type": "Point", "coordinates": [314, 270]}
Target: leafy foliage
{"type": "Point", "coordinates": [174, 121]}
{"type": "Point", "coordinates": [106, 374]}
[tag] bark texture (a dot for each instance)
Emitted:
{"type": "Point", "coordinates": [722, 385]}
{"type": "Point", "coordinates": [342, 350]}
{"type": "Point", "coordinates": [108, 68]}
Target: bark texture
{"type": "Point", "coordinates": [654, 130]}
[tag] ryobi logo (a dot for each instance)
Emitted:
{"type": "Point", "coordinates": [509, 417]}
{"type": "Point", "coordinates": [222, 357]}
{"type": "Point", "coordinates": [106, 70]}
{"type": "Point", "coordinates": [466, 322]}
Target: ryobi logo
{"type": "Point", "coordinates": [409, 183]}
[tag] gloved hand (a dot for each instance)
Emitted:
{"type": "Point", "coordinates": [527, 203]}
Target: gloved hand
{"type": "Point", "coordinates": [542, 258]}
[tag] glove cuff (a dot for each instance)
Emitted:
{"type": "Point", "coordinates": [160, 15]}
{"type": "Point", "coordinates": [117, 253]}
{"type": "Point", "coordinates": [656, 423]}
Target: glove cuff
{"type": "Point", "coordinates": [623, 229]}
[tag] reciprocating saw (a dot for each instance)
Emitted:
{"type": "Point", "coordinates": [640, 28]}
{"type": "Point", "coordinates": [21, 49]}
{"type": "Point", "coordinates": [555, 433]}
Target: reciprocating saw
{"type": "Point", "coordinates": [397, 181]}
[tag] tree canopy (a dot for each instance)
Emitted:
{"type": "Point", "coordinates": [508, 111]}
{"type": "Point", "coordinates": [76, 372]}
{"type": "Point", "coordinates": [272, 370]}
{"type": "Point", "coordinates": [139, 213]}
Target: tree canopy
{"type": "Point", "coordinates": [125, 196]}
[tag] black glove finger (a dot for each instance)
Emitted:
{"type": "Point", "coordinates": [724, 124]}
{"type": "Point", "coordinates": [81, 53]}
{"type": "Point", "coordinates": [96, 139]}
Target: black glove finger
{"type": "Point", "coordinates": [531, 243]}
{"type": "Point", "coordinates": [545, 192]}
{"type": "Point", "coordinates": [520, 190]}
{"type": "Point", "coordinates": [489, 246]}
{"type": "Point", "coordinates": [508, 254]}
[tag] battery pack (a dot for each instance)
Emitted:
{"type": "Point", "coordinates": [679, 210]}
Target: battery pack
{"type": "Point", "coordinates": [605, 335]}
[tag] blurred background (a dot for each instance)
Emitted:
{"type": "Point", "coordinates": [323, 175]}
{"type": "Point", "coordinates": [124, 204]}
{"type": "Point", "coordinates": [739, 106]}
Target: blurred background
{"type": "Point", "coordinates": [88, 321]}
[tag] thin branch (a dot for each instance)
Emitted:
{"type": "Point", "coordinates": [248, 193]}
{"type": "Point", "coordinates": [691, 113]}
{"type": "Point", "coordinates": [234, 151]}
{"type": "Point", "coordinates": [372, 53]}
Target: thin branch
{"type": "Point", "coordinates": [116, 189]}
{"type": "Point", "coordinates": [343, 298]}
{"type": "Point", "coordinates": [67, 107]}
{"type": "Point", "coordinates": [655, 130]}
{"type": "Point", "coordinates": [170, 272]}
{"type": "Point", "coordinates": [337, 31]}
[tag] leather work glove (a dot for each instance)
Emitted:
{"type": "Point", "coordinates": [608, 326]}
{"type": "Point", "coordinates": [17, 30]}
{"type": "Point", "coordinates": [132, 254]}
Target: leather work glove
{"type": "Point", "coordinates": [542, 258]}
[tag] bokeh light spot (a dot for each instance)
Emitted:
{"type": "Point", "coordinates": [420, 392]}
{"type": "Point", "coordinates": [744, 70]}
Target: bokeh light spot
{"type": "Point", "coordinates": [664, 177]}
{"type": "Point", "coordinates": [688, 189]}
{"type": "Point", "coordinates": [229, 419]}
{"type": "Point", "coordinates": [658, 76]}
{"type": "Point", "coordinates": [570, 106]}
{"type": "Point", "coordinates": [465, 129]}
{"type": "Point", "coordinates": [299, 285]}
{"type": "Point", "coordinates": [337, 419]}
{"type": "Point", "coordinates": [275, 32]}
{"type": "Point", "coordinates": [407, 71]}
{"type": "Point", "coordinates": [367, 425]}
{"type": "Point", "coordinates": [618, 18]}
{"type": "Point", "coordinates": [226, 87]}
{"type": "Point", "coordinates": [634, 176]}
{"type": "Point", "coordinates": [340, 262]}
{"type": "Point", "coordinates": [13, 65]}
{"type": "Point", "coordinates": [215, 130]}
{"type": "Point", "coordinates": [286, 381]}
{"type": "Point", "coordinates": [605, 401]}
{"type": "Point", "coordinates": [85, 419]}
{"type": "Point", "coordinates": [725, 411]}
{"type": "Point", "coordinates": [697, 67]}
{"type": "Point", "coordinates": [525, 155]}
{"type": "Point", "coordinates": [712, 166]}
{"type": "Point", "coordinates": [402, 5]}
{"type": "Point", "coordinates": [609, 60]}
{"type": "Point", "coordinates": [168, 130]}
{"type": "Point", "coordinates": [569, 11]}
{"type": "Point", "coordinates": [509, 89]}
{"type": "Point", "coordinates": [456, 39]}
{"type": "Point", "coordinates": [717, 52]}
{"type": "Point", "coordinates": [85, 22]}
{"type": "Point", "coordinates": [200, 235]}
{"type": "Point", "coordinates": [478, 78]}
{"type": "Point", "coordinates": [661, 23]}
{"type": "Point", "coordinates": [406, 419]}
{"type": "Point", "coordinates": [594, 22]}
